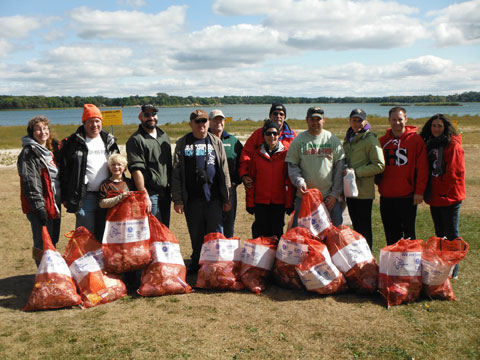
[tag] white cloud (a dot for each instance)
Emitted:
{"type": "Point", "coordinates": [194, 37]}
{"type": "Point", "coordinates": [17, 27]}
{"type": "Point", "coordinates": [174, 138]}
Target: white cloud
{"type": "Point", "coordinates": [457, 24]}
{"type": "Point", "coordinates": [132, 3]}
{"type": "Point", "coordinates": [81, 54]}
{"type": "Point", "coordinates": [18, 26]}
{"type": "Point", "coordinates": [128, 25]}
{"type": "Point", "coordinates": [248, 7]}
{"type": "Point", "coordinates": [5, 48]}
{"type": "Point", "coordinates": [218, 46]}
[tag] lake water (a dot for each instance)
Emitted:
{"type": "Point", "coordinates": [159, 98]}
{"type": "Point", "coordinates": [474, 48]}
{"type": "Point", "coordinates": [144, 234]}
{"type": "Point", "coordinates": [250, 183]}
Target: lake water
{"type": "Point", "coordinates": [237, 112]}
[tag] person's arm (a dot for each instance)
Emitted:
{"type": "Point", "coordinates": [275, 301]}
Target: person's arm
{"type": "Point", "coordinates": [108, 203]}
{"type": "Point", "coordinates": [296, 177]}
{"type": "Point", "coordinates": [421, 169]}
{"type": "Point", "coordinates": [177, 185]}
{"type": "Point", "coordinates": [139, 182]}
{"type": "Point", "coordinates": [376, 160]}
{"type": "Point", "coordinates": [248, 151]}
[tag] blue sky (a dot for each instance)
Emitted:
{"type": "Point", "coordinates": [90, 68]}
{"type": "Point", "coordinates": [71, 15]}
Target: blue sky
{"type": "Point", "coordinates": [239, 47]}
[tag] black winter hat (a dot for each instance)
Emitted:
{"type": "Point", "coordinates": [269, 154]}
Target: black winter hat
{"type": "Point", "coordinates": [277, 106]}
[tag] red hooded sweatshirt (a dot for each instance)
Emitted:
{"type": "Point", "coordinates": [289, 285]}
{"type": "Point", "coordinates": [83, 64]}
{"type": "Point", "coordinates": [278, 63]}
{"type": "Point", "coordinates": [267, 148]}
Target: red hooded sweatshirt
{"type": "Point", "coordinates": [406, 165]}
{"type": "Point", "coordinates": [449, 188]}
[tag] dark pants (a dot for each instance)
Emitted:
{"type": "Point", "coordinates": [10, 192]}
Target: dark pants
{"type": "Point", "coordinates": [445, 220]}
{"type": "Point", "coordinates": [269, 220]}
{"type": "Point", "coordinates": [229, 216]}
{"type": "Point", "coordinates": [360, 211]}
{"type": "Point", "coordinates": [161, 208]}
{"type": "Point", "coordinates": [399, 217]}
{"type": "Point", "coordinates": [203, 217]}
{"type": "Point", "coordinates": [53, 227]}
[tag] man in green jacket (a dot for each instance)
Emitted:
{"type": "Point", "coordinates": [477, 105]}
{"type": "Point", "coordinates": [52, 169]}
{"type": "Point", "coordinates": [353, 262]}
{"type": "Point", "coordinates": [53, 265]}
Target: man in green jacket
{"type": "Point", "coordinates": [149, 156]}
{"type": "Point", "coordinates": [364, 155]}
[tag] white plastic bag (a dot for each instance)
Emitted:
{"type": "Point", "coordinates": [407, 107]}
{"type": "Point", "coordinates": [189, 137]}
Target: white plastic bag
{"type": "Point", "coordinates": [350, 184]}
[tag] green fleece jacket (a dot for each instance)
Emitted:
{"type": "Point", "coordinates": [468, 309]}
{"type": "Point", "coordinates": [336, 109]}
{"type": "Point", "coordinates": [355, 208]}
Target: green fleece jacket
{"type": "Point", "coordinates": [364, 154]}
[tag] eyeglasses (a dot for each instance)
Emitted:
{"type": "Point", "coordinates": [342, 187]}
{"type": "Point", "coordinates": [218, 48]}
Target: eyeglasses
{"type": "Point", "coordinates": [152, 114]}
{"type": "Point", "coordinates": [271, 133]}
{"type": "Point", "coordinates": [203, 121]}
{"type": "Point", "coordinates": [278, 113]}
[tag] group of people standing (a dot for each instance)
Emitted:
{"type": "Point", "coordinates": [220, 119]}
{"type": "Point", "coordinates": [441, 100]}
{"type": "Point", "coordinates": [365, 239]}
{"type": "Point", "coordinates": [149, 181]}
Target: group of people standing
{"type": "Point", "coordinates": [276, 166]}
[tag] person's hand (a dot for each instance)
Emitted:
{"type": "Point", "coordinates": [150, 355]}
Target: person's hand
{"type": "Point", "coordinates": [42, 215]}
{"type": "Point", "coordinates": [303, 189]}
{"type": "Point", "coordinates": [149, 204]}
{"type": "Point", "coordinates": [330, 202]}
{"type": "Point", "coordinates": [178, 208]}
{"type": "Point", "coordinates": [417, 199]}
{"type": "Point", "coordinates": [251, 210]}
{"type": "Point", "coordinates": [247, 181]}
{"type": "Point", "coordinates": [227, 207]}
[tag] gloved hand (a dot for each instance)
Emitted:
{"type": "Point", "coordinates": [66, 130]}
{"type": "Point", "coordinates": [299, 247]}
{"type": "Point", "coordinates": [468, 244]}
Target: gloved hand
{"type": "Point", "coordinates": [251, 210]}
{"type": "Point", "coordinates": [42, 215]}
{"type": "Point", "coordinates": [289, 210]}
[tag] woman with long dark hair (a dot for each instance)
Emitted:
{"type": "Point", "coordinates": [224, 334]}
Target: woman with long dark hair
{"type": "Point", "coordinates": [446, 186]}
{"type": "Point", "coordinates": [39, 182]}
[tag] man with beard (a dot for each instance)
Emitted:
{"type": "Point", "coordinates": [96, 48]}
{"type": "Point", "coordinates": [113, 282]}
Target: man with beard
{"type": "Point", "coordinates": [149, 157]}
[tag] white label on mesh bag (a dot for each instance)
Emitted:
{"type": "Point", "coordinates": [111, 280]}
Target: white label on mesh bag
{"type": "Point", "coordinates": [434, 273]}
{"type": "Point", "coordinates": [53, 263]}
{"type": "Point", "coordinates": [128, 231]}
{"type": "Point", "coordinates": [90, 262]}
{"type": "Point", "coordinates": [352, 254]}
{"type": "Point", "coordinates": [400, 263]}
{"type": "Point", "coordinates": [319, 275]}
{"type": "Point", "coordinates": [318, 220]}
{"type": "Point", "coordinates": [290, 252]}
{"type": "Point", "coordinates": [166, 252]}
{"type": "Point", "coordinates": [221, 250]}
{"type": "Point", "coordinates": [258, 255]}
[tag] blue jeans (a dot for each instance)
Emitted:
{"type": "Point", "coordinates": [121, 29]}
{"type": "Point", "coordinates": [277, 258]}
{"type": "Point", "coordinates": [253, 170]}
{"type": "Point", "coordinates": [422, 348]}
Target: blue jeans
{"type": "Point", "coordinates": [229, 216]}
{"type": "Point", "coordinates": [53, 227]}
{"type": "Point", "coordinates": [203, 217]}
{"type": "Point", "coordinates": [335, 214]}
{"type": "Point", "coordinates": [91, 215]}
{"type": "Point", "coordinates": [161, 208]}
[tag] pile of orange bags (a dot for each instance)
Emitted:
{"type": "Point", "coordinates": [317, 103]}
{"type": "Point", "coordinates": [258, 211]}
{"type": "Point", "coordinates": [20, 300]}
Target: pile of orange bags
{"type": "Point", "coordinates": [400, 277]}
{"type": "Point", "coordinates": [258, 256]}
{"type": "Point", "coordinates": [291, 251]}
{"type": "Point", "coordinates": [54, 287]}
{"type": "Point", "coordinates": [318, 273]}
{"type": "Point", "coordinates": [125, 243]}
{"type": "Point", "coordinates": [84, 257]}
{"type": "Point", "coordinates": [352, 256]}
{"type": "Point", "coordinates": [219, 263]}
{"type": "Point", "coordinates": [313, 214]}
{"type": "Point", "coordinates": [439, 256]}
{"type": "Point", "coordinates": [167, 272]}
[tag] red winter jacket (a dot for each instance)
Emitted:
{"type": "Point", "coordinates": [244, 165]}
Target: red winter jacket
{"type": "Point", "coordinates": [255, 140]}
{"type": "Point", "coordinates": [271, 182]}
{"type": "Point", "coordinates": [449, 188]}
{"type": "Point", "coordinates": [406, 165]}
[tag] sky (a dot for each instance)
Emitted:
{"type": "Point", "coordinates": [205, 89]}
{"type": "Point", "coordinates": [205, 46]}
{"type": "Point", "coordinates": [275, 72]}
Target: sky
{"type": "Point", "coordinates": [311, 48]}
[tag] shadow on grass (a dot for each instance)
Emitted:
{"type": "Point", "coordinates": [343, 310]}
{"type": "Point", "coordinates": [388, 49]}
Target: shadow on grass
{"type": "Point", "coordinates": [16, 290]}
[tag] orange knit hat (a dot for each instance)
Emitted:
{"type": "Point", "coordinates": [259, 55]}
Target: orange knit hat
{"type": "Point", "coordinates": [91, 111]}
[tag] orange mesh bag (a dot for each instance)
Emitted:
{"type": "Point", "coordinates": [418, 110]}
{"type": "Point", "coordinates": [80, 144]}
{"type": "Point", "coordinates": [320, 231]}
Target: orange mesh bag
{"type": "Point", "coordinates": [167, 272]}
{"type": "Point", "coordinates": [54, 287]}
{"type": "Point", "coordinates": [352, 256]}
{"type": "Point", "coordinates": [219, 263]}
{"type": "Point", "coordinates": [126, 240]}
{"type": "Point", "coordinates": [318, 273]}
{"type": "Point", "coordinates": [291, 250]}
{"type": "Point", "coordinates": [400, 276]}
{"type": "Point", "coordinates": [84, 257]}
{"type": "Point", "coordinates": [313, 214]}
{"type": "Point", "coordinates": [258, 256]}
{"type": "Point", "coordinates": [439, 256]}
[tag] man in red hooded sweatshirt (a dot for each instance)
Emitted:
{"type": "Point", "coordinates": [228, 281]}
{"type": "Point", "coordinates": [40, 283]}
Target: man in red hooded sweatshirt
{"type": "Point", "coordinates": [403, 182]}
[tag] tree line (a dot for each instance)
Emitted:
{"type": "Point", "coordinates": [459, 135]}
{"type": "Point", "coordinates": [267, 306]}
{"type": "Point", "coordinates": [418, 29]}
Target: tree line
{"type": "Point", "coordinates": [8, 102]}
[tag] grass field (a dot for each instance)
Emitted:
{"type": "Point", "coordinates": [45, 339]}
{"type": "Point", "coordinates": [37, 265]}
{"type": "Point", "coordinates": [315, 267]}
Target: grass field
{"type": "Point", "coordinates": [278, 324]}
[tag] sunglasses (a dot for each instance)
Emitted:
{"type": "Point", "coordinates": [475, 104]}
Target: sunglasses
{"type": "Point", "coordinates": [278, 113]}
{"type": "Point", "coordinates": [271, 133]}
{"type": "Point", "coordinates": [198, 121]}
{"type": "Point", "coordinates": [152, 114]}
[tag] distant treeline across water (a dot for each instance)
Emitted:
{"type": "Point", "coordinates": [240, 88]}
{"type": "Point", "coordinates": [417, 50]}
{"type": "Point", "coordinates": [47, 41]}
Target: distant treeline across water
{"type": "Point", "coordinates": [8, 102]}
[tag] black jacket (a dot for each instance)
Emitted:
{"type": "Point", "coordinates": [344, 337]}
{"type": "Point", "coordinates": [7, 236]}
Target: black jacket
{"type": "Point", "coordinates": [74, 163]}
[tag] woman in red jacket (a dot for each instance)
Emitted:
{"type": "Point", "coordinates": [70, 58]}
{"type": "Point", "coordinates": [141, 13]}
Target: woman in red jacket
{"type": "Point", "coordinates": [446, 187]}
{"type": "Point", "coordinates": [272, 193]}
